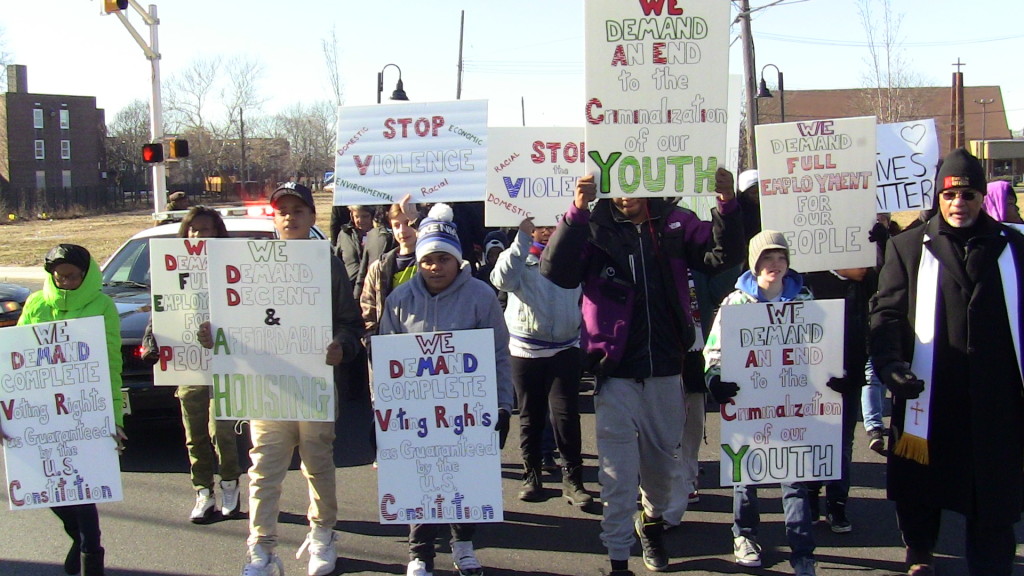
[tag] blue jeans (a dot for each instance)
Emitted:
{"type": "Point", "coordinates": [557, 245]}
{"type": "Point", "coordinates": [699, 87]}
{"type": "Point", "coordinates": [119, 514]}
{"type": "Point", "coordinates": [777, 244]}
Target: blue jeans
{"type": "Point", "coordinates": [871, 399]}
{"type": "Point", "coordinates": [747, 515]}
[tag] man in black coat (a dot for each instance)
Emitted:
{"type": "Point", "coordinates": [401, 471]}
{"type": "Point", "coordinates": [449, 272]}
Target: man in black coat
{"type": "Point", "coordinates": [945, 338]}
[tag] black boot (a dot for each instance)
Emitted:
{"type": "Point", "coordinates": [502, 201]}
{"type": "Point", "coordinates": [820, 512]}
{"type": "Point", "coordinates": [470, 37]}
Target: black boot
{"type": "Point", "coordinates": [532, 490]}
{"type": "Point", "coordinates": [92, 563]}
{"type": "Point", "coordinates": [73, 561]}
{"type": "Point", "coordinates": [572, 487]}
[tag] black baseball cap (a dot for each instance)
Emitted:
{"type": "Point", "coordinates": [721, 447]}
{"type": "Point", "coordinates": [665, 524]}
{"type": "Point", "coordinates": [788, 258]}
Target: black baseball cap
{"type": "Point", "coordinates": [293, 189]}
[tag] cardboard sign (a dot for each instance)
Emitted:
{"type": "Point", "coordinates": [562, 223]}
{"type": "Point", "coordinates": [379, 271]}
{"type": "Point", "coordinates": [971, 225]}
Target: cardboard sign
{"type": "Point", "coordinates": [785, 425]}
{"type": "Point", "coordinates": [702, 205]}
{"type": "Point", "coordinates": [181, 302]}
{"type": "Point", "coordinates": [435, 408]}
{"type": "Point", "coordinates": [437, 151]}
{"type": "Point", "coordinates": [270, 310]}
{"type": "Point", "coordinates": [57, 409]}
{"type": "Point", "coordinates": [656, 110]}
{"type": "Point", "coordinates": [532, 172]}
{"type": "Point", "coordinates": [908, 158]}
{"type": "Point", "coordinates": [817, 183]}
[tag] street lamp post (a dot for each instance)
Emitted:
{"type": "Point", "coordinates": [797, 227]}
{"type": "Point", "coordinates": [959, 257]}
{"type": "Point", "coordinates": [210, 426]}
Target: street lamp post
{"type": "Point", "coordinates": [984, 124]}
{"type": "Point", "coordinates": [762, 90]}
{"type": "Point", "coordinates": [399, 93]}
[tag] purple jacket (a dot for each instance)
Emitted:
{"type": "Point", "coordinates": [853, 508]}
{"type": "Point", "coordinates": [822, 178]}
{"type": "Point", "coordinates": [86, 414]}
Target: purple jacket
{"type": "Point", "coordinates": [636, 298]}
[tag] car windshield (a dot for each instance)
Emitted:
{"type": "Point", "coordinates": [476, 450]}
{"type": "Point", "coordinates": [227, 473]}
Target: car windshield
{"type": "Point", "coordinates": [130, 265]}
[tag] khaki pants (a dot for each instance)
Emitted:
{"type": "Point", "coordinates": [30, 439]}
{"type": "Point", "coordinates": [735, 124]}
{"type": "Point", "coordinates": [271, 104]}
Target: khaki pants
{"type": "Point", "coordinates": [273, 443]}
{"type": "Point", "coordinates": [208, 441]}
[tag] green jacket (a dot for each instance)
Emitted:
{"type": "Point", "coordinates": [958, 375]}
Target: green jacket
{"type": "Point", "coordinates": [52, 303]}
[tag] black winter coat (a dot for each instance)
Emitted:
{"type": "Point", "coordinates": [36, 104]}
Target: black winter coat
{"type": "Point", "coordinates": [976, 430]}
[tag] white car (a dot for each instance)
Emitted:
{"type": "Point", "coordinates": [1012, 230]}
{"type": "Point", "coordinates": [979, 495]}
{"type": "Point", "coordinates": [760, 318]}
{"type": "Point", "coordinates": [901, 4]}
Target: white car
{"type": "Point", "coordinates": [126, 280]}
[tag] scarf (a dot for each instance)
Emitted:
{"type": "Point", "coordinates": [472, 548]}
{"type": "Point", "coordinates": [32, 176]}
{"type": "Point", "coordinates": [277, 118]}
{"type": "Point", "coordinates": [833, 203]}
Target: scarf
{"type": "Point", "coordinates": [536, 248]}
{"type": "Point", "coordinates": [913, 443]}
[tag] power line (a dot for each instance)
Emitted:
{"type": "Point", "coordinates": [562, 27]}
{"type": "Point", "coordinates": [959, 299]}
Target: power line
{"type": "Point", "coordinates": [864, 44]}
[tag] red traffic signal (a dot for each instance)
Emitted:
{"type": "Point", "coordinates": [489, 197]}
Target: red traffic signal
{"type": "Point", "coordinates": [111, 6]}
{"type": "Point", "coordinates": [152, 153]}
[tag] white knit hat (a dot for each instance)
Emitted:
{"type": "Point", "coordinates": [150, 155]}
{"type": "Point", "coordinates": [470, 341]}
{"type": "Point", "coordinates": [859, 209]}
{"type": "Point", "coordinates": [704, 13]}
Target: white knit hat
{"type": "Point", "coordinates": [437, 233]}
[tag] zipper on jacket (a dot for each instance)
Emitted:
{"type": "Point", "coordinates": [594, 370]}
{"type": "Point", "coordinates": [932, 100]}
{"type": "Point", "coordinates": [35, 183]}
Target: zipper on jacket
{"type": "Point", "coordinates": [647, 299]}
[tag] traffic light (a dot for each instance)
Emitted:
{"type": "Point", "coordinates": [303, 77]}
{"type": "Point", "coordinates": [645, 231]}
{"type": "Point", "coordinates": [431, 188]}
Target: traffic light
{"type": "Point", "coordinates": [152, 153]}
{"type": "Point", "coordinates": [178, 148]}
{"type": "Point", "coordinates": [111, 6]}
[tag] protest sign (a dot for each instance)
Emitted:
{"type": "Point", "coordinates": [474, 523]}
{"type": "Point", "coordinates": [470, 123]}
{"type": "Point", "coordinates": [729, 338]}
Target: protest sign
{"type": "Point", "coordinates": [532, 172]}
{"type": "Point", "coordinates": [436, 151]}
{"type": "Point", "coordinates": [817, 184]}
{"type": "Point", "coordinates": [702, 205]}
{"type": "Point", "coordinates": [785, 425]}
{"type": "Point", "coordinates": [57, 411]}
{"type": "Point", "coordinates": [181, 302]}
{"type": "Point", "coordinates": [656, 95]}
{"type": "Point", "coordinates": [908, 156]}
{"type": "Point", "coordinates": [435, 408]}
{"type": "Point", "coordinates": [270, 310]}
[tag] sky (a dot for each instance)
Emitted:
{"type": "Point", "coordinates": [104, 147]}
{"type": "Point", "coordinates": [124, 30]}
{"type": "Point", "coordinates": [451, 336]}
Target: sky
{"type": "Point", "coordinates": [525, 56]}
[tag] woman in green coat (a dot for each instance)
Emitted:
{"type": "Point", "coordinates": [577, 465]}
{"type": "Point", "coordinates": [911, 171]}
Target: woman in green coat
{"type": "Point", "coordinates": [72, 290]}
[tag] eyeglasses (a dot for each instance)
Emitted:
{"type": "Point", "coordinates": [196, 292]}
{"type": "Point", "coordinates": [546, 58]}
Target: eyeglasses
{"type": "Point", "coordinates": [62, 279]}
{"type": "Point", "coordinates": [966, 195]}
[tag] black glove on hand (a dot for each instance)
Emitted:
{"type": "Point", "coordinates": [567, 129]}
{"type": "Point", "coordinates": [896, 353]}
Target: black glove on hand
{"type": "Point", "coordinates": [502, 426]}
{"type": "Point", "coordinates": [841, 385]}
{"type": "Point", "coordinates": [878, 232]}
{"type": "Point", "coordinates": [722, 391]}
{"type": "Point", "coordinates": [901, 381]}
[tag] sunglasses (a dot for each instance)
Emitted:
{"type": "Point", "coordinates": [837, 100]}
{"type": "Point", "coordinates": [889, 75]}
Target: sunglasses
{"type": "Point", "coordinates": [966, 195]}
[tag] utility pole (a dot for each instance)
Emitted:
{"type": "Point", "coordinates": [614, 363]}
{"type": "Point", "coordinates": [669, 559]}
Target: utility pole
{"type": "Point", "coordinates": [156, 112]}
{"type": "Point", "coordinates": [462, 31]}
{"type": "Point", "coordinates": [748, 73]}
{"type": "Point", "coordinates": [984, 124]}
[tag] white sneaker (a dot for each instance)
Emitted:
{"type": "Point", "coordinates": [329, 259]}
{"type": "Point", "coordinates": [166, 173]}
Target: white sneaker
{"type": "Point", "coordinates": [259, 562]}
{"type": "Point", "coordinates": [747, 551]}
{"type": "Point", "coordinates": [465, 560]}
{"type": "Point", "coordinates": [322, 544]}
{"type": "Point", "coordinates": [805, 567]}
{"type": "Point", "coordinates": [417, 568]}
{"type": "Point", "coordinates": [206, 506]}
{"type": "Point", "coordinates": [230, 503]}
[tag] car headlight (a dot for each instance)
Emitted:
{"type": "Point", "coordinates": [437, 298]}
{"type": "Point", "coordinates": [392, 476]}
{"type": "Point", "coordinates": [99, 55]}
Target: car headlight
{"type": "Point", "coordinates": [10, 306]}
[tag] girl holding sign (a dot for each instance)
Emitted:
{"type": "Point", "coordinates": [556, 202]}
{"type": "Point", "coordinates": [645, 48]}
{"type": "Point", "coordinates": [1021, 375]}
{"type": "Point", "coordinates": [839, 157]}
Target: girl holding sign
{"type": "Point", "coordinates": [444, 296]}
{"type": "Point", "coordinates": [768, 280]}
{"type": "Point", "coordinates": [72, 289]}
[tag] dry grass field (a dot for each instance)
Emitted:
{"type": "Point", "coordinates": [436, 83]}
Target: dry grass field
{"type": "Point", "coordinates": [26, 242]}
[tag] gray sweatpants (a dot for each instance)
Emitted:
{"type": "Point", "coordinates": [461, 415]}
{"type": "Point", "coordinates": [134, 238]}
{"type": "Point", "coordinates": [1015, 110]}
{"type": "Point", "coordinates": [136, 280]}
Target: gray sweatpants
{"type": "Point", "coordinates": [639, 430]}
{"type": "Point", "coordinates": [686, 482]}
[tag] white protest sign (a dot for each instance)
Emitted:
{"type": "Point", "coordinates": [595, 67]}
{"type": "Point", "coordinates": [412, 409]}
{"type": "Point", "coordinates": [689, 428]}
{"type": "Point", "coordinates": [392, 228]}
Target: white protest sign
{"type": "Point", "coordinates": [435, 408]}
{"type": "Point", "coordinates": [181, 302]}
{"type": "Point", "coordinates": [817, 183]}
{"type": "Point", "coordinates": [657, 81]}
{"type": "Point", "coordinates": [436, 151]}
{"type": "Point", "coordinates": [785, 425]}
{"type": "Point", "coordinates": [270, 310]}
{"type": "Point", "coordinates": [57, 410]}
{"type": "Point", "coordinates": [702, 205]}
{"type": "Point", "coordinates": [532, 172]}
{"type": "Point", "coordinates": [908, 157]}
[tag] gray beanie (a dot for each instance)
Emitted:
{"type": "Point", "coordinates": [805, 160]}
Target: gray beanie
{"type": "Point", "coordinates": [765, 240]}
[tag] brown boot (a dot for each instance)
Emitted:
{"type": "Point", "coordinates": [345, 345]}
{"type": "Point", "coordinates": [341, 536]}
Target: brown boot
{"type": "Point", "coordinates": [532, 491]}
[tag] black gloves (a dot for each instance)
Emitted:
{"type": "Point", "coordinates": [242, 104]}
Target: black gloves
{"type": "Point", "coordinates": [878, 233]}
{"type": "Point", "coordinates": [502, 426]}
{"type": "Point", "coordinates": [901, 381]}
{"type": "Point", "coordinates": [843, 385]}
{"type": "Point", "coordinates": [722, 391]}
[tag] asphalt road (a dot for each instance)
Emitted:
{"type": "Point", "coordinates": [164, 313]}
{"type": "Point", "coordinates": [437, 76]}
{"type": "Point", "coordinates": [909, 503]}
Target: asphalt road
{"type": "Point", "coordinates": [149, 532]}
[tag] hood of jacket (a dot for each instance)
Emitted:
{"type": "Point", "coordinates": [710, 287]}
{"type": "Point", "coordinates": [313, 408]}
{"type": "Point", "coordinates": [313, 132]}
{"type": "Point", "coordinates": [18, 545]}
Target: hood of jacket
{"type": "Point", "coordinates": [79, 298]}
{"type": "Point", "coordinates": [792, 283]}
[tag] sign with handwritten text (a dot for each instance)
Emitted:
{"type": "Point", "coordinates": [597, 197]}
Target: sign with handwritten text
{"type": "Point", "coordinates": [656, 110]}
{"type": "Point", "coordinates": [817, 183]}
{"type": "Point", "coordinates": [181, 302]}
{"type": "Point", "coordinates": [270, 310]}
{"type": "Point", "coordinates": [436, 151]}
{"type": "Point", "coordinates": [908, 158]}
{"type": "Point", "coordinates": [57, 411]}
{"type": "Point", "coordinates": [532, 172]}
{"type": "Point", "coordinates": [435, 408]}
{"type": "Point", "coordinates": [785, 425]}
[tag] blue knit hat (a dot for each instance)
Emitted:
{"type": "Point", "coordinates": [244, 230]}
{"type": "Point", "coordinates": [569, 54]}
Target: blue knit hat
{"type": "Point", "coordinates": [437, 233]}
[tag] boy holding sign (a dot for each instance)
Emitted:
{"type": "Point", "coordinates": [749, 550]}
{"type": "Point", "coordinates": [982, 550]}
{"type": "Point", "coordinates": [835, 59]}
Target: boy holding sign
{"type": "Point", "coordinates": [445, 296]}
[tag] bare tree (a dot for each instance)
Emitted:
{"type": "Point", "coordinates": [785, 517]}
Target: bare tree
{"type": "Point", "coordinates": [187, 96]}
{"type": "Point", "coordinates": [311, 132]}
{"type": "Point", "coordinates": [330, 48]}
{"type": "Point", "coordinates": [889, 75]}
{"type": "Point", "coordinates": [125, 136]}
{"type": "Point", "coordinates": [5, 59]}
